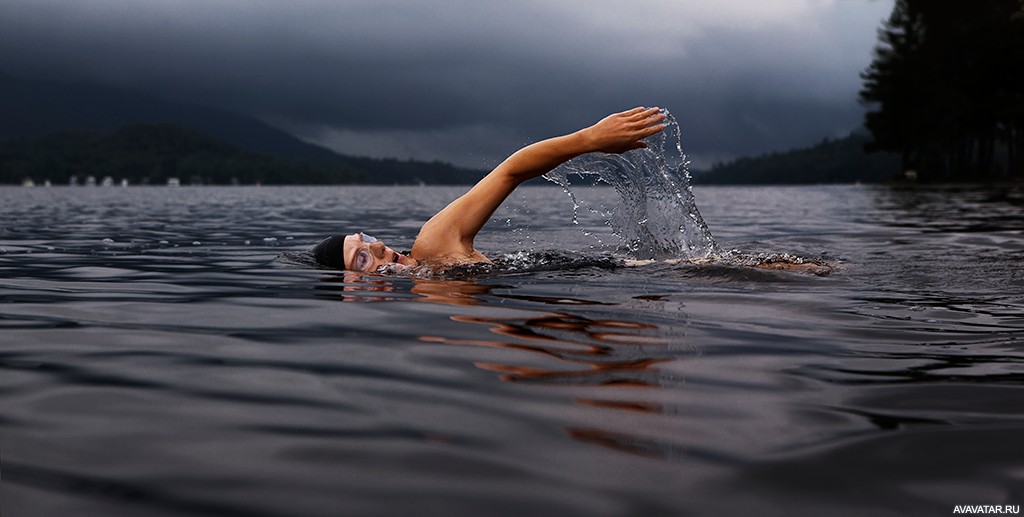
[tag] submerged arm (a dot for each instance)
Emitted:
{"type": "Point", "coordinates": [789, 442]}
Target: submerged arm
{"type": "Point", "coordinates": [450, 233]}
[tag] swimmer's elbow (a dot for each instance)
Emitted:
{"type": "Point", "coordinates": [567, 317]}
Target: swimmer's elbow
{"type": "Point", "coordinates": [540, 158]}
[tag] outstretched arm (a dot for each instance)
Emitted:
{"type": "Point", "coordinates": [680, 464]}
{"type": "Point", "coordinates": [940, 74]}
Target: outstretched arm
{"type": "Point", "coordinates": [450, 233]}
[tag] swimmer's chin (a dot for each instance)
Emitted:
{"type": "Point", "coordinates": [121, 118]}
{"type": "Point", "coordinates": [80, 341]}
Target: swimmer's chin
{"type": "Point", "coordinates": [399, 264]}
{"type": "Point", "coordinates": [404, 260]}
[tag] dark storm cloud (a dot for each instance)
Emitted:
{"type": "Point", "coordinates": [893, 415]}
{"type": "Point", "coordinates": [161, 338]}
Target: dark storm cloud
{"type": "Point", "coordinates": [470, 81]}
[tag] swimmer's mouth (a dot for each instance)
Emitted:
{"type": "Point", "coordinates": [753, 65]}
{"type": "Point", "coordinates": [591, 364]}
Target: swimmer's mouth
{"type": "Point", "coordinates": [398, 257]}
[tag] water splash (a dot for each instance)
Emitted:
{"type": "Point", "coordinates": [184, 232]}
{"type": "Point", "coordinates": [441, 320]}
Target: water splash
{"type": "Point", "coordinates": [508, 264]}
{"type": "Point", "coordinates": [655, 215]}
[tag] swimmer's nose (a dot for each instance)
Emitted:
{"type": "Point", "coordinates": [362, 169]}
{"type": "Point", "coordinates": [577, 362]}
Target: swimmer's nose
{"type": "Point", "coordinates": [377, 248]}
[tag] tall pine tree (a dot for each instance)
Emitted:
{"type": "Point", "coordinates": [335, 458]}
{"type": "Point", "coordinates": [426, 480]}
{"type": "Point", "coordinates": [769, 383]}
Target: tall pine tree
{"type": "Point", "coordinates": [947, 88]}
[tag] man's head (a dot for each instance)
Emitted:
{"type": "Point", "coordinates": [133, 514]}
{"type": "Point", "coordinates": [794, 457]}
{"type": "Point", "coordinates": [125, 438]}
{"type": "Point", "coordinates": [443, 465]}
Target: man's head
{"type": "Point", "coordinates": [357, 252]}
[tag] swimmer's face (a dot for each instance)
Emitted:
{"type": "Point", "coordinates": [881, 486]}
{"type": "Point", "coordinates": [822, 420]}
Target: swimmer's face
{"type": "Point", "coordinates": [364, 253]}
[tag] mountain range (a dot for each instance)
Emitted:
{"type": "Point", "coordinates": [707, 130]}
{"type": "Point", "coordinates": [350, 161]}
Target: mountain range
{"type": "Point", "coordinates": [36, 113]}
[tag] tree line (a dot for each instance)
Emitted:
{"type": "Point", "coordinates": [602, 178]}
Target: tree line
{"type": "Point", "coordinates": [841, 160]}
{"type": "Point", "coordinates": [946, 89]}
{"type": "Point", "coordinates": [152, 153]}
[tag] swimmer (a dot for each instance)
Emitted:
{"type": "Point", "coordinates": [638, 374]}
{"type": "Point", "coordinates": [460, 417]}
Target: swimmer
{"type": "Point", "coordinates": [447, 238]}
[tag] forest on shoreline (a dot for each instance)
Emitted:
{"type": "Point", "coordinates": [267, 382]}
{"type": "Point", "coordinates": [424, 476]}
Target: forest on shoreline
{"type": "Point", "coordinates": [154, 154]}
{"type": "Point", "coordinates": [841, 160]}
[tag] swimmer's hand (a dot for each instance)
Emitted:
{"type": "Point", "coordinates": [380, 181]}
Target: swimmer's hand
{"type": "Point", "coordinates": [625, 131]}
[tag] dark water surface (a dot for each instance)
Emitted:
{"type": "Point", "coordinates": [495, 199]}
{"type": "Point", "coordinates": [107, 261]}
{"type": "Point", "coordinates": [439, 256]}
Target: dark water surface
{"type": "Point", "coordinates": [159, 356]}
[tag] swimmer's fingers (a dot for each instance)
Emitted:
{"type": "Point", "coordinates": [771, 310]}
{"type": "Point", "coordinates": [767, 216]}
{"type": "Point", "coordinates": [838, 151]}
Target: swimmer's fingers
{"type": "Point", "coordinates": [651, 130]}
{"type": "Point", "coordinates": [641, 110]}
{"type": "Point", "coordinates": [648, 122]}
{"type": "Point", "coordinates": [632, 112]}
{"type": "Point", "coordinates": [647, 131]}
{"type": "Point", "coordinates": [645, 115]}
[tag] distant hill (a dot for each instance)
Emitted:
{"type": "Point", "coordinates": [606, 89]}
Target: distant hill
{"type": "Point", "coordinates": [153, 153]}
{"type": "Point", "coordinates": [33, 109]}
{"type": "Point", "coordinates": [830, 161]}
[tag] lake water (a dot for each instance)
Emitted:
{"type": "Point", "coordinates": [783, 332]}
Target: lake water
{"type": "Point", "coordinates": [165, 352]}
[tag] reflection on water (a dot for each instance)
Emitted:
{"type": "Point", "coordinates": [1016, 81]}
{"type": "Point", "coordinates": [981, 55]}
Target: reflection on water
{"type": "Point", "coordinates": [574, 350]}
{"type": "Point", "coordinates": [943, 208]}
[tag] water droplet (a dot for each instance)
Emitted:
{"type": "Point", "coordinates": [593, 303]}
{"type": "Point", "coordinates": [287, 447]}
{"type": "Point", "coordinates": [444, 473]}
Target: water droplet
{"type": "Point", "coordinates": [197, 243]}
{"type": "Point", "coordinates": [269, 239]}
{"type": "Point", "coordinates": [108, 241]}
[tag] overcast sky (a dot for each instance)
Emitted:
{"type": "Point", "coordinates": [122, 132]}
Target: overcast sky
{"type": "Point", "coordinates": [469, 81]}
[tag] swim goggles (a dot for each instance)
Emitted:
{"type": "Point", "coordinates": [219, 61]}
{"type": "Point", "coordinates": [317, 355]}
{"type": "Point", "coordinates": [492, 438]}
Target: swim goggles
{"type": "Point", "coordinates": [363, 260]}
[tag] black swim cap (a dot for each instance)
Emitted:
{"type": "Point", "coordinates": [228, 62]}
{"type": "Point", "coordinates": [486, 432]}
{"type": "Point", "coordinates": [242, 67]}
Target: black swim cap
{"type": "Point", "coordinates": [331, 252]}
